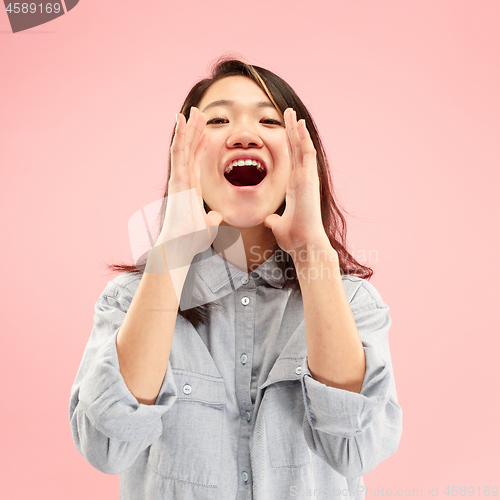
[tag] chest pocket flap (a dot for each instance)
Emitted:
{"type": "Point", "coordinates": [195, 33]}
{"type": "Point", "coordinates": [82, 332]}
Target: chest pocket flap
{"type": "Point", "coordinates": [190, 446]}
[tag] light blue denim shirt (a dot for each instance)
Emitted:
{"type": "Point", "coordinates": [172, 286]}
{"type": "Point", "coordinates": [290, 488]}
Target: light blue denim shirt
{"type": "Point", "coordinates": [238, 416]}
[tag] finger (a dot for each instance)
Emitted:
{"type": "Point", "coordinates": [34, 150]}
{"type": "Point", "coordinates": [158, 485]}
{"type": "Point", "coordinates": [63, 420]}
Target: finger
{"type": "Point", "coordinates": [290, 152]}
{"type": "Point", "coordinates": [198, 155]}
{"type": "Point", "coordinates": [198, 131]}
{"type": "Point", "coordinates": [213, 220]}
{"type": "Point", "coordinates": [271, 220]}
{"type": "Point", "coordinates": [307, 146]}
{"type": "Point", "coordinates": [295, 141]}
{"type": "Point", "coordinates": [286, 115]}
{"type": "Point", "coordinates": [190, 131]}
{"type": "Point", "coordinates": [288, 145]}
{"type": "Point", "coordinates": [177, 147]}
{"type": "Point", "coordinates": [292, 136]}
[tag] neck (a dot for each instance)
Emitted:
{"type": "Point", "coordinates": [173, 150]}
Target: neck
{"type": "Point", "coordinates": [259, 243]}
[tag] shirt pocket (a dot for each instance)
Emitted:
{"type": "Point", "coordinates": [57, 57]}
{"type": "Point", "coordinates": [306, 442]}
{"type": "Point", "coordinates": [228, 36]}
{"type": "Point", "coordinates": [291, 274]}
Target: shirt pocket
{"type": "Point", "coordinates": [283, 416]}
{"type": "Point", "coordinates": [190, 446]}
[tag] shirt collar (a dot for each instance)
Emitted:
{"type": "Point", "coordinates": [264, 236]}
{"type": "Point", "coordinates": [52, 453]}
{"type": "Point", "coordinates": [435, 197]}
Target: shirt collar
{"type": "Point", "coordinates": [217, 272]}
{"type": "Point", "coordinates": [271, 272]}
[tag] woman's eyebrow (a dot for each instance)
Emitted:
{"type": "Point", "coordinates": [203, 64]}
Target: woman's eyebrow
{"type": "Point", "coordinates": [226, 102]}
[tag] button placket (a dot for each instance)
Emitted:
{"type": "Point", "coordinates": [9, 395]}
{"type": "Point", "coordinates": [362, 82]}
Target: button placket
{"type": "Point", "coordinates": [245, 302]}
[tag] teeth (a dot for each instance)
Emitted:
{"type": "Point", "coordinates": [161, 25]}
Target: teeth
{"type": "Point", "coordinates": [241, 163]}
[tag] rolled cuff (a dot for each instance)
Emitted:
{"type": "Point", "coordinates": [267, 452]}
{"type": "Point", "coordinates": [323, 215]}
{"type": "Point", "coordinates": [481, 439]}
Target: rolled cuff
{"type": "Point", "coordinates": [111, 407]}
{"type": "Point", "coordinates": [343, 413]}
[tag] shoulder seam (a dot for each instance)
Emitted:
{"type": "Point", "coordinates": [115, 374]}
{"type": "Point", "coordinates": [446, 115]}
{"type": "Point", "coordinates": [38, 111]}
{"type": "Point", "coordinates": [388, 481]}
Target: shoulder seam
{"type": "Point", "coordinates": [368, 307]}
{"type": "Point", "coordinates": [377, 301]}
{"type": "Point", "coordinates": [117, 292]}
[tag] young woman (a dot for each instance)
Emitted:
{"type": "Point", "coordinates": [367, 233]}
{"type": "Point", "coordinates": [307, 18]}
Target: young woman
{"type": "Point", "coordinates": [271, 376]}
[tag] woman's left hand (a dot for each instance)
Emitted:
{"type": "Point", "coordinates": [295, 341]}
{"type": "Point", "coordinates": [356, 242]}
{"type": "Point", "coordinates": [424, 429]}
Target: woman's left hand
{"type": "Point", "coordinates": [301, 224]}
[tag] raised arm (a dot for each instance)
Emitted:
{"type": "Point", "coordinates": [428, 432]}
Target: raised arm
{"type": "Point", "coordinates": [355, 431]}
{"type": "Point", "coordinates": [125, 384]}
{"type": "Point", "coordinates": [145, 339]}
{"type": "Point", "coordinates": [352, 417]}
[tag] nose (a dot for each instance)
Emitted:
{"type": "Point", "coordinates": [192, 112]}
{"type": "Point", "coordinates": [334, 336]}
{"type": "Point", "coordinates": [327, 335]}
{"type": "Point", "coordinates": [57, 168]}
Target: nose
{"type": "Point", "coordinates": [244, 136]}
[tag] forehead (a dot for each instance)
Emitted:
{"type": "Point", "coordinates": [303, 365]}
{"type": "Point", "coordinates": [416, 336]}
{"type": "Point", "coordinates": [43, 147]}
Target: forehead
{"type": "Point", "coordinates": [240, 89]}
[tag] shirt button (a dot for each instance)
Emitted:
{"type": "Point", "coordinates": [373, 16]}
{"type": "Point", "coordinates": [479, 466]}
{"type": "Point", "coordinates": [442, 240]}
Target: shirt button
{"type": "Point", "coordinates": [245, 301]}
{"type": "Point", "coordinates": [244, 280]}
{"type": "Point", "coordinates": [245, 476]}
{"type": "Point", "coordinates": [248, 415]}
{"type": "Point", "coordinates": [298, 370]}
{"type": "Point", "coordinates": [186, 389]}
{"type": "Point", "coordinates": [243, 359]}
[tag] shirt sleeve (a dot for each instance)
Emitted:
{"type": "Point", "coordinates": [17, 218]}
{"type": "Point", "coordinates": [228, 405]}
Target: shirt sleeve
{"type": "Point", "coordinates": [110, 427]}
{"type": "Point", "coordinates": [354, 432]}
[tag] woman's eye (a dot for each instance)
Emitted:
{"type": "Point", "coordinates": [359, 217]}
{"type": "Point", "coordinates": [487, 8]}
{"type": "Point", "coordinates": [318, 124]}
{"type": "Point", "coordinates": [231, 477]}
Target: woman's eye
{"type": "Point", "coordinates": [271, 121]}
{"type": "Point", "coordinates": [219, 120]}
{"type": "Point", "coordinates": [216, 121]}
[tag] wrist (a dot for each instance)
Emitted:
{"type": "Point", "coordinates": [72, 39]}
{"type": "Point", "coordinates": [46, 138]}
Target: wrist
{"type": "Point", "coordinates": [168, 256]}
{"type": "Point", "coordinates": [319, 261]}
{"type": "Point", "coordinates": [318, 250]}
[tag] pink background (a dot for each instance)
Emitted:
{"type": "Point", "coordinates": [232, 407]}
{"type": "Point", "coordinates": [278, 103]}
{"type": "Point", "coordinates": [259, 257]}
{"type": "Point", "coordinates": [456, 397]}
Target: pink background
{"type": "Point", "coordinates": [405, 95]}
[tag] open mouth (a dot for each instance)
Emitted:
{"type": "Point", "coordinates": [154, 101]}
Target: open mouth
{"type": "Point", "coordinates": [245, 173]}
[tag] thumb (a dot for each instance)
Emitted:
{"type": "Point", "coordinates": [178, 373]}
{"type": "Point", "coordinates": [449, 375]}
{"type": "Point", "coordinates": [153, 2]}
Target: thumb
{"type": "Point", "coordinates": [214, 218]}
{"type": "Point", "coordinates": [271, 220]}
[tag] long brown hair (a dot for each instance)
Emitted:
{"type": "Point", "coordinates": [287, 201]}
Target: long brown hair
{"type": "Point", "coordinates": [282, 96]}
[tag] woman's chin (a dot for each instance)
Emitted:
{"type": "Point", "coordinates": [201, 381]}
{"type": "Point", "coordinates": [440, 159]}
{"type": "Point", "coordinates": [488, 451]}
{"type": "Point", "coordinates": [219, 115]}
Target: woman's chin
{"type": "Point", "coordinates": [242, 221]}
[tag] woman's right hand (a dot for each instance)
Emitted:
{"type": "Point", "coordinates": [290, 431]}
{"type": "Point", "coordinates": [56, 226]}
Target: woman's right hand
{"type": "Point", "coordinates": [187, 226]}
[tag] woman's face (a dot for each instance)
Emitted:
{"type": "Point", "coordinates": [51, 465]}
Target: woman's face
{"type": "Point", "coordinates": [243, 125]}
